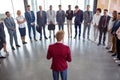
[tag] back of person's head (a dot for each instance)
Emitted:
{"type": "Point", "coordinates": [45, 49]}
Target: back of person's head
{"type": "Point", "coordinates": [60, 35]}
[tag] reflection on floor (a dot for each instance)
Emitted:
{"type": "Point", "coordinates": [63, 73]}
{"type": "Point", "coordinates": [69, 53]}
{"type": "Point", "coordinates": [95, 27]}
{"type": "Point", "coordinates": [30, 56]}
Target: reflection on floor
{"type": "Point", "coordinates": [90, 62]}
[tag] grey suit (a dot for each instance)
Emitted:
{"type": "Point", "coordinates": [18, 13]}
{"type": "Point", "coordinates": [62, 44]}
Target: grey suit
{"type": "Point", "coordinates": [87, 16]}
{"type": "Point", "coordinates": [10, 24]}
{"type": "Point", "coordinates": [60, 18]}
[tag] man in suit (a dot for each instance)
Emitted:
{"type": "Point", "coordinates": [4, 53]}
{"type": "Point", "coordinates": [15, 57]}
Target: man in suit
{"type": "Point", "coordinates": [87, 16]}
{"type": "Point", "coordinates": [42, 21]}
{"type": "Point", "coordinates": [51, 19]}
{"type": "Point", "coordinates": [2, 40]}
{"type": "Point", "coordinates": [78, 20]}
{"type": "Point", "coordinates": [30, 18]}
{"type": "Point", "coordinates": [11, 27]}
{"type": "Point", "coordinates": [115, 31]}
{"type": "Point", "coordinates": [69, 15]}
{"type": "Point", "coordinates": [60, 18]}
{"type": "Point", "coordinates": [103, 25]}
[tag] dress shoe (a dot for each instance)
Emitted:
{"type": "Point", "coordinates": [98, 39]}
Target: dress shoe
{"type": "Point", "coordinates": [98, 44]}
{"type": "Point", "coordinates": [103, 44]}
{"type": "Point", "coordinates": [46, 38]}
{"type": "Point", "coordinates": [2, 57]}
{"type": "Point", "coordinates": [75, 37]}
{"type": "Point", "coordinates": [114, 54]}
{"type": "Point", "coordinates": [49, 37]}
{"type": "Point", "coordinates": [54, 36]}
{"type": "Point", "coordinates": [110, 51]}
{"type": "Point", "coordinates": [13, 48]}
{"type": "Point", "coordinates": [107, 48]}
{"type": "Point", "coordinates": [40, 39]}
{"type": "Point", "coordinates": [35, 39]}
{"type": "Point", "coordinates": [18, 45]}
{"type": "Point", "coordinates": [24, 42]}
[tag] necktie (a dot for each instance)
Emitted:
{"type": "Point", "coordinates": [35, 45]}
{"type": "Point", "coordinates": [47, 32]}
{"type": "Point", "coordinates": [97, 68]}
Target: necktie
{"type": "Point", "coordinates": [10, 19]}
{"type": "Point", "coordinates": [41, 13]}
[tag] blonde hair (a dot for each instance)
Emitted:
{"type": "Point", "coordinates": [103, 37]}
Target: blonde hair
{"type": "Point", "coordinates": [18, 12]}
{"type": "Point", "coordinates": [60, 35]}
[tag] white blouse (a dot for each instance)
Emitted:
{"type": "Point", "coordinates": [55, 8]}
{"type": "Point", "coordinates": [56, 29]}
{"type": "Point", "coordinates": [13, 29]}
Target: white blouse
{"type": "Point", "coordinates": [96, 19]}
{"type": "Point", "coordinates": [21, 18]}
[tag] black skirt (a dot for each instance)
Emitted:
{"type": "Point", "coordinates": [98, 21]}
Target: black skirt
{"type": "Point", "coordinates": [22, 31]}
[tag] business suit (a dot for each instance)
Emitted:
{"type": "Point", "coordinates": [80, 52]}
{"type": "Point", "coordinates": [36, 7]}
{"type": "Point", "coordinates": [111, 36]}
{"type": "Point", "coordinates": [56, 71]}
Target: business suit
{"type": "Point", "coordinates": [41, 22]}
{"type": "Point", "coordinates": [2, 35]}
{"type": "Point", "coordinates": [30, 18]}
{"type": "Point", "coordinates": [87, 16]}
{"type": "Point", "coordinates": [11, 27]}
{"type": "Point", "coordinates": [116, 42]}
{"type": "Point", "coordinates": [78, 21]}
{"type": "Point", "coordinates": [103, 26]}
{"type": "Point", "coordinates": [60, 18]}
{"type": "Point", "coordinates": [69, 15]}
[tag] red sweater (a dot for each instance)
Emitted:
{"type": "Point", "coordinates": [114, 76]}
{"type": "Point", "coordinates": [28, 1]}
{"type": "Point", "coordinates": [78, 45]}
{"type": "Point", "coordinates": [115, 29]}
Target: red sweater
{"type": "Point", "coordinates": [60, 54]}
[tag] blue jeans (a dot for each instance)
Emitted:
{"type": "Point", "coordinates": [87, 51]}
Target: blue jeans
{"type": "Point", "coordinates": [62, 73]}
{"type": "Point", "coordinates": [61, 26]}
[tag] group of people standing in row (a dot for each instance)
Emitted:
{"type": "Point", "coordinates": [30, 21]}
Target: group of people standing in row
{"type": "Point", "coordinates": [102, 24]}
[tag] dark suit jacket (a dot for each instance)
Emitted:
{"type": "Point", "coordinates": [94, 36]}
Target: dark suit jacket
{"type": "Point", "coordinates": [115, 27]}
{"type": "Point", "coordinates": [41, 20]}
{"type": "Point", "coordinates": [101, 27]}
{"type": "Point", "coordinates": [60, 17]}
{"type": "Point", "coordinates": [2, 35]}
{"type": "Point", "coordinates": [78, 16]}
{"type": "Point", "coordinates": [69, 15]}
{"type": "Point", "coordinates": [29, 18]}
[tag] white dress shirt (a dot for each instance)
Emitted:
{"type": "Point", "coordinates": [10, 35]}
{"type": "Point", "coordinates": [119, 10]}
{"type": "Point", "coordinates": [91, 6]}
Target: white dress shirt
{"type": "Point", "coordinates": [96, 19]}
{"type": "Point", "coordinates": [110, 25]}
{"type": "Point", "coordinates": [21, 18]}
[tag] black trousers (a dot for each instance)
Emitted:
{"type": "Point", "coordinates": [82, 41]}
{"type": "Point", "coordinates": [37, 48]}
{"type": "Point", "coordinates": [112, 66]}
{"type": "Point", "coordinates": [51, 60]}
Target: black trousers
{"type": "Point", "coordinates": [79, 26]}
{"type": "Point", "coordinates": [1, 45]}
{"type": "Point", "coordinates": [102, 34]}
{"type": "Point", "coordinates": [118, 49]}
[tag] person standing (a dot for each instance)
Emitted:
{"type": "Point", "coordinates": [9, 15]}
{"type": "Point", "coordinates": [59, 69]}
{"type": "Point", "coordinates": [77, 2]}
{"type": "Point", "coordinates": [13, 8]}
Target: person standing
{"type": "Point", "coordinates": [30, 18]}
{"type": "Point", "coordinates": [51, 20]}
{"type": "Point", "coordinates": [21, 23]}
{"type": "Point", "coordinates": [69, 15]}
{"type": "Point", "coordinates": [115, 32]}
{"type": "Point", "coordinates": [2, 40]}
{"type": "Point", "coordinates": [60, 18]}
{"type": "Point", "coordinates": [11, 27]}
{"type": "Point", "coordinates": [96, 19]}
{"type": "Point", "coordinates": [111, 22]}
{"type": "Point", "coordinates": [87, 16]}
{"type": "Point", "coordinates": [103, 26]}
{"type": "Point", "coordinates": [42, 21]}
{"type": "Point", "coordinates": [60, 54]}
{"type": "Point", "coordinates": [78, 20]}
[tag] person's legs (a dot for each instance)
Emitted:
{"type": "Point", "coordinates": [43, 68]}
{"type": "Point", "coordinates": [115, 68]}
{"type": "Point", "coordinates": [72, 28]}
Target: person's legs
{"type": "Point", "coordinates": [75, 30]}
{"type": "Point", "coordinates": [29, 31]}
{"type": "Point", "coordinates": [118, 49]}
{"type": "Point", "coordinates": [59, 26]}
{"type": "Point", "coordinates": [104, 37]}
{"type": "Point", "coordinates": [44, 32]}
{"type": "Point", "coordinates": [70, 28]}
{"type": "Point", "coordinates": [11, 38]}
{"type": "Point", "coordinates": [62, 25]}
{"type": "Point", "coordinates": [95, 33]}
{"type": "Point", "coordinates": [15, 37]}
{"type": "Point", "coordinates": [79, 30]}
{"type": "Point", "coordinates": [100, 36]}
{"type": "Point", "coordinates": [84, 30]}
{"type": "Point", "coordinates": [49, 33]}
{"type": "Point", "coordinates": [63, 75]}
{"type": "Point", "coordinates": [109, 43]}
{"type": "Point", "coordinates": [34, 31]}
{"type": "Point", "coordinates": [88, 31]}
{"type": "Point", "coordinates": [55, 75]}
